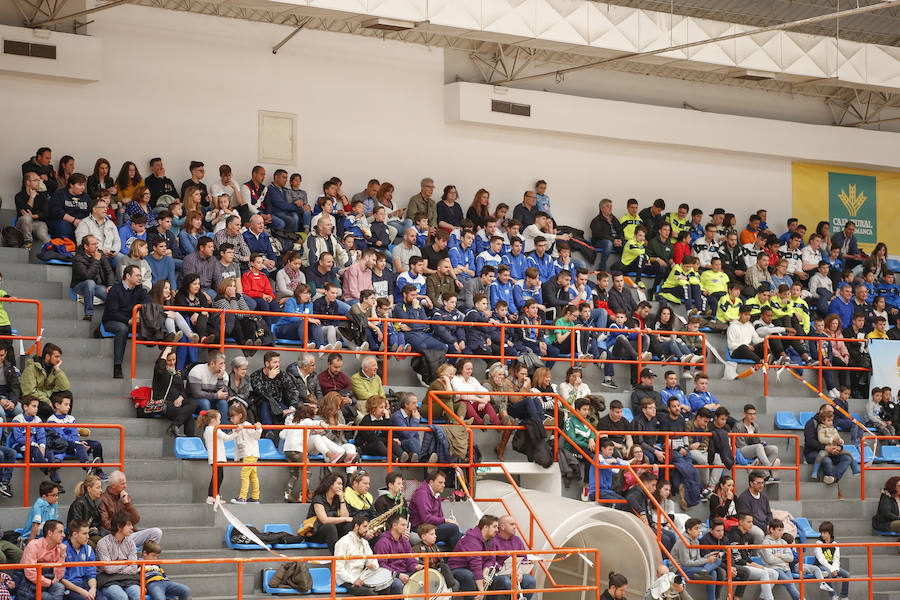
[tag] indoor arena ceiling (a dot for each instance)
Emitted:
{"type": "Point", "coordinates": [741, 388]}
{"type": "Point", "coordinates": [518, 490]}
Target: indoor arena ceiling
{"type": "Point", "coordinates": [841, 51]}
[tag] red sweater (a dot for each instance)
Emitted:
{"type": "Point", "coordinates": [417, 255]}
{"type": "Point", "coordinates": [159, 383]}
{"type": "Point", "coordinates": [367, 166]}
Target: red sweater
{"type": "Point", "coordinates": [681, 250]}
{"type": "Point", "coordinates": [256, 285]}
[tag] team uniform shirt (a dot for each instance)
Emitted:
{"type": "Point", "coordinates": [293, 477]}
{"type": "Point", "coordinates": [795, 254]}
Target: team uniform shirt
{"type": "Point", "coordinates": [463, 257]}
{"type": "Point", "coordinates": [517, 265]}
{"type": "Point", "coordinates": [728, 309]}
{"type": "Point", "coordinates": [794, 258]}
{"type": "Point", "coordinates": [756, 306]}
{"type": "Point", "coordinates": [544, 265]}
{"type": "Point", "coordinates": [678, 277]}
{"type": "Point", "coordinates": [522, 293]}
{"type": "Point", "coordinates": [503, 291]}
{"type": "Point", "coordinates": [697, 231]}
{"type": "Point", "coordinates": [800, 309]}
{"type": "Point", "coordinates": [421, 236]}
{"type": "Point", "coordinates": [712, 283]}
{"type": "Point", "coordinates": [405, 278]}
{"type": "Point", "coordinates": [559, 266]}
{"type": "Point", "coordinates": [483, 241]}
{"type": "Point", "coordinates": [628, 223]}
{"type": "Point", "coordinates": [751, 254]}
{"type": "Point", "coordinates": [632, 251]}
{"type": "Point", "coordinates": [705, 251]}
{"type": "Point", "coordinates": [487, 258]}
{"type": "Point", "coordinates": [678, 225]}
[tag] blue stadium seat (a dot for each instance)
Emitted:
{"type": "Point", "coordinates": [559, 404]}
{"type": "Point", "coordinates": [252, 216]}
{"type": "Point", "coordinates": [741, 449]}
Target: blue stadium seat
{"type": "Point", "coordinates": [804, 526]}
{"type": "Point", "coordinates": [893, 264]}
{"type": "Point", "coordinates": [372, 458]}
{"type": "Point", "coordinates": [854, 452]}
{"type": "Point", "coordinates": [233, 546]}
{"type": "Point", "coordinates": [284, 341]}
{"type": "Point", "coordinates": [730, 358]}
{"type": "Point", "coordinates": [283, 528]}
{"type": "Point", "coordinates": [804, 416]}
{"type": "Point", "coordinates": [268, 451]}
{"type": "Point", "coordinates": [886, 533]}
{"type": "Point", "coordinates": [787, 420]}
{"type": "Point", "coordinates": [190, 448]}
{"type": "Point", "coordinates": [56, 261]}
{"type": "Point", "coordinates": [321, 578]}
{"type": "Point", "coordinates": [105, 333]}
{"type": "Point", "coordinates": [229, 449]}
{"type": "Point", "coordinates": [627, 414]}
{"type": "Point", "coordinates": [73, 295]}
{"type": "Point", "coordinates": [267, 587]}
{"type": "Point", "coordinates": [890, 454]}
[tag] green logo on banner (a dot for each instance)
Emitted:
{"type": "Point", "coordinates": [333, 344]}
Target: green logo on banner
{"type": "Point", "coordinates": [852, 197]}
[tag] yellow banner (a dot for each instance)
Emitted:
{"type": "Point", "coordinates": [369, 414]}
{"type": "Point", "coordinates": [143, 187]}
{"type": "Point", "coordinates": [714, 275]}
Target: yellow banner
{"type": "Point", "coordinates": [871, 199]}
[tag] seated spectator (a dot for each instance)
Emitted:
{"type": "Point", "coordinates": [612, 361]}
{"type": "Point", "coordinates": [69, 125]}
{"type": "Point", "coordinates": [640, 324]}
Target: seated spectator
{"type": "Point", "coordinates": [755, 502]}
{"type": "Point", "coordinates": [169, 322]}
{"type": "Point", "coordinates": [33, 210]}
{"type": "Point", "coordinates": [615, 421]}
{"type": "Point", "coordinates": [473, 395]}
{"type": "Point", "coordinates": [744, 534]}
{"type": "Point", "coordinates": [363, 329]}
{"type": "Point", "coordinates": [469, 570]}
{"type": "Point", "coordinates": [116, 500]}
{"type": "Point", "coordinates": [366, 382]}
{"type": "Point", "coordinates": [243, 328]}
{"type": "Point", "coordinates": [232, 235]}
{"type": "Point", "coordinates": [357, 496]}
{"type": "Point", "coordinates": [720, 442]}
{"type": "Point", "coordinates": [137, 257]}
{"type": "Point", "coordinates": [36, 439]}
{"type": "Point", "coordinates": [478, 285]}
{"type": "Point", "coordinates": [258, 242]}
{"type": "Point", "coordinates": [695, 564]}
{"type": "Point", "coordinates": [140, 205]}
{"type": "Point", "coordinates": [507, 540]}
{"type": "Point", "coordinates": [132, 231]}
{"type": "Point", "coordinates": [190, 234]}
{"type": "Point", "coordinates": [201, 263]}
{"type": "Point", "coordinates": [828, 557]}
{"type": "Point", "coordinates": [321, 240]}
{"type": "Point", "coordinates": [645, 511]}
{"type": "Point", "coordinates": [779, 558]}
{"type": "Point", "coordinates": [673, 390]}
{"type": "Point", "coordinates": [84, 508]}
{"type": "Point", "coordinates": [742, 339]}
{"type": "Point", "coordinates": [191, 295]}
{"type": "Point", "coordinates": [217, 216]}
{"type": "Point", "coordinates": [828, 434]}
{"type": "Point", "coordinates": [358, 277]}
{"type": "Point", "coordinates": [754, 448]}
{"type": "Point", "coordinates": [239, 383]}
{"type": "Point", "coordinates": [269, 400]}
{"type": "Point", "coordinates": [721, 502]}
{"type": "Point", "coordinates": [685, 477]}
{"type": "Point", "coordinates": [80, 580]}
{"type": "Point", "coordinates": [425, 507]}
{"type": "Point", "coordinates": [289, 277]}
{"type": "Point", "coordinates": [44, 510]}
{"type": "Point", "coordinates": [328, 304]}
{"type": "Point", "coordinates": [442, 281]}
{"type": "Point", "coordinates": [102, 228]}
{"type": "Point", "coordinates": [41, 378]}
{"type": "Point", "coordinates": [157, 584]}
{"type": "Point", "coordinates": [835, 462]}
{"type": "Point", "coordinates": [332, 416]}
{"type": "Point", "coordinates": [257, 287]}
{"type": "Point", "coordinates": [414, 333]}
{"type": "Point", "coordinates": [92, 274]}
{"type": "Point", "coordinates": [298, 328]}
{"type": "Point", "coordinates": [68, 207]}
{"type": "Point", "coordinates": [48, 548]}
{"type": "Point", "coordinates": [162, 266]}
{"type": "Point", "coordinates": [606, 232]}
{"type": "Point", "coordinates": [120, 582]}
{"type": "Point", "coordinates": [62, 405]}
{"type": "Point", "coordinates": [333, 379]}
{"type": "Point", "coordinates": [294, 447]}
{"type": "Point", "coordinates": [208, 383]}
{"type": "Point", "coordinates": [333, 520]}
{"type": "Point", "coordinates": [374, 442]}
{"type": "Point", "coordinates": [395, 540]}
{"type": "Point", "coordinates": [10, 390]}
{"type": "Point", "coordinates": [408, 416]}
{"type": "Point", "coordinates": [887, 515]}
{"type": "Point", "coordinates": [354, 574]}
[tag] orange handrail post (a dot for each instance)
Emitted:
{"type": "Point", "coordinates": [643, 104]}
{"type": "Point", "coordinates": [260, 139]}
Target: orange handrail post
{"type": "Point", "coordinates": [26, 463]}
{"type": "Point", "coordinates": [38, 322]}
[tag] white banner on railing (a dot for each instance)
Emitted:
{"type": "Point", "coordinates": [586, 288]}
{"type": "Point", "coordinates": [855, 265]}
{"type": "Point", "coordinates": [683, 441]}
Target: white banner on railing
{"type": "Point", "coordinates": [885, 364]}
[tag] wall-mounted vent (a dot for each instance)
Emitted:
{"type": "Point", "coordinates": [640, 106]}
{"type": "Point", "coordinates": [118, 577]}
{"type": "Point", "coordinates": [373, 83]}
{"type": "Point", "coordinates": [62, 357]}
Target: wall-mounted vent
{"type": "Point", "coordinates": [29, 49]}
{"type": "Point", "coordinates": [511, 108]}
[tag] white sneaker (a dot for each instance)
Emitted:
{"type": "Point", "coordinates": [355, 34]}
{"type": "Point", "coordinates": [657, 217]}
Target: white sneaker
{"type": "Point", "coordinates": [646, 356]}
{"type": "Point", "coordinates": [337, 346]}
{"type": "Point", "coordinates": [828, 479]}
{"type": "Point", "coordinates": [826, 588]}
{"type": "Point", "coordinates": [697, 358]}
{"type": "Point", "coordinates": [686, 374]}
{"type": "Point", "coordinates": [834, 393]}
{"type": "Point", "coordinates": [327, 347]}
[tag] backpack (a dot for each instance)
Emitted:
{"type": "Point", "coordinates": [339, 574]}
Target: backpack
{"type": "Point", "coordinates": [569, 466]}
{"type": "Point", "coordinates": [294, 575]}
{"type": "Point", "coordinates": [13, 238]}
{"type": "Point", "coordinates": [597, 406]}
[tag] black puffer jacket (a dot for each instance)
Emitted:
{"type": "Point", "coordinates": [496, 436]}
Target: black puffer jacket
{"type": "Point", "coordinates": [85, 267]}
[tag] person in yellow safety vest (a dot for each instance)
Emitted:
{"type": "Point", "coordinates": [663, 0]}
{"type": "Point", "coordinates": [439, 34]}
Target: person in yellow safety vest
{"type": "Point", "coordinates": [682, 286]}
{"type": "Point", "coordinates": [800, 308]}
{"type": "Point", "coordinates": [631, 219]}
{"type": "Point", "coordinates": [678, 221]}
{"type": "Point", "coordinates": [729, 307]}
{"type": "Point", "coordinates": [634, 259]}
{"type": "Point", "coordinates": [761, 299]}
{"type": "Point", "coordinates": [714, 283]}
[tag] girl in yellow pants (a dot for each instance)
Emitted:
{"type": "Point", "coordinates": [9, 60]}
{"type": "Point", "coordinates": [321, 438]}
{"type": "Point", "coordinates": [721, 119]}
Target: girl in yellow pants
{"type": "Point", "coordinates": [246, 449]}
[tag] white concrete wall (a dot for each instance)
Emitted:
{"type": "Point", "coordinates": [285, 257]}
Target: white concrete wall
{"type": "Point", "coordinates": [189, 87]}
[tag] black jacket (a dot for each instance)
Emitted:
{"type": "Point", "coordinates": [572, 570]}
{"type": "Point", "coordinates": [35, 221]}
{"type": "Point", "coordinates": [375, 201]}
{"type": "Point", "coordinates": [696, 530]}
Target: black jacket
{"type": "Point", "coordinates": [811, 441]}
{"type": "Point", "coordinates": [733, 259]}
{"type": "Point", "coordinates": [622, 300]}
{"type": "Point", "coordinates": [12, 380]}
{"type": "Point", "coordinates": [40, 208]}
{"type": "Point", "coordinates": [720, 444]}
{"type": "Point", "coordinates": [555, 296]}
{"type": "Point", "coordinates": [645, 391]}
{"type": "Point", "coordinates": [601, 229]}
{"type": "Point", "coordinates": [170, 385]}
{"type": "Point", "coordinates": [888, 512]}
{"type": "Point", "coordinates": [650, 222]}
{"type": "Point", "coordinates": [120, 301]}
{"type": "Point", "coordinates": [86, 268]}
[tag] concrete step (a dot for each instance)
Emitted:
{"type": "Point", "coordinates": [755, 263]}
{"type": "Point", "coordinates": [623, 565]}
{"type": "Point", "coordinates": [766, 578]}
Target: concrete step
{"type": "Point", "coordinates": [32, 288]}
{"type": "Point", "coordinates": [221, 584]}
{"type": "Point", "coordinates": [13, 255]}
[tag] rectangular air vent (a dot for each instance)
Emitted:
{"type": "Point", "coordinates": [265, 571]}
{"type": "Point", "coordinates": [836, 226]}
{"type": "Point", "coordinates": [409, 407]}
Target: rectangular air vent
{"type": "Point", "coordinates": [29, 49]}
{"type": "Point", "coordinates": [511, 108]}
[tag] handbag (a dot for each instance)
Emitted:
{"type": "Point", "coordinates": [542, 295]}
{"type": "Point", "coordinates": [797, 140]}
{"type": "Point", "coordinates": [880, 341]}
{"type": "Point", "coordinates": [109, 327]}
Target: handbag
{"type": "Point", "coordinates": [156, 405]}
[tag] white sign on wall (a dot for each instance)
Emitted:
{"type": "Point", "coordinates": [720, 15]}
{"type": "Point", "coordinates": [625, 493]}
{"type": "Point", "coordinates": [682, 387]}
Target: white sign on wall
{"type": "Point", "coordinates": [277, 138]}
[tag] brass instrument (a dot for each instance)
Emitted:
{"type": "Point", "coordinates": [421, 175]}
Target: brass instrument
{"type": "Point", "coordinates": [378, 524]}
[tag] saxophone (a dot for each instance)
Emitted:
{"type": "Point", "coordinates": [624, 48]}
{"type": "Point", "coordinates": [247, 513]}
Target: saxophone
{"type": "Point", "coordinates": [377, 524]}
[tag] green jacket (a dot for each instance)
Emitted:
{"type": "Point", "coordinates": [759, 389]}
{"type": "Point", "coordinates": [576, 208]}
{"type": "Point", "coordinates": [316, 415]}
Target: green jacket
{"type": "Point", "coordinates": [4, 318]}
{"type": "Point", "coordinates": [578, 432]}
{"type": "Point", "coordinates": [35, 380]}
{"type": "Point", "coordinates": [364, 388]}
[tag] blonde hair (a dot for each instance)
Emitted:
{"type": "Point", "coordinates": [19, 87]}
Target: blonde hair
{"type": "Point", "coordinates": [83, 486]}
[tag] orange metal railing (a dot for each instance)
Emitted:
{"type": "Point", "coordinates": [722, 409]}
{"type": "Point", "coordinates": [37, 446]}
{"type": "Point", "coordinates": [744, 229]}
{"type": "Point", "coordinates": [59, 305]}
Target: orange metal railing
{"type": "Point", "coordinates": [872, 467]}
{"type": "Point", "coordinates": [505, 334]}
{"type": "Point", "coordinates": [38, 325]}
{"type": "Point", "coordinates": [820, 368]}
{"type": "Point", "coordinates": [28, 464]}
{"type": "Point", "coordinates": [331, 561]}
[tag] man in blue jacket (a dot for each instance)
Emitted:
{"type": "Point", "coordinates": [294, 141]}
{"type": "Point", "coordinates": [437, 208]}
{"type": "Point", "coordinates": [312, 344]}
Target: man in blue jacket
{"type": "Point", "coordinates": [502, 289]}
{"type": "Point", "coordinates": [279, 207]}
{"type": "Point", "coordinates": [258, 241]}
{"type": "Point", "coordinates": [408, 416]}
{"type": "Point", "coordinates": [120, 300]}
{"type": "Point", "coordinates": [454, 336]}
{"type": "Point", "coordinates": [842, 305]}
{"type": "Point", "coordinates": [416, 334]}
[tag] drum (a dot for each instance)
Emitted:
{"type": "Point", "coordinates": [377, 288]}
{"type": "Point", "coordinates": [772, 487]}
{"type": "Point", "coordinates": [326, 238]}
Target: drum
{"type": "Point", "coordinates": [436, 585]}
{"type": "Point", "coordinates": [379, 579]}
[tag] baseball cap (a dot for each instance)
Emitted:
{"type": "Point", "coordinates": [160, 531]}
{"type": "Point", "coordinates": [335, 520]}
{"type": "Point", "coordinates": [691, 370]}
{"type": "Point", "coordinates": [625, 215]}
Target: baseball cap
{"type": "Point", "coordinates": [645, 372]}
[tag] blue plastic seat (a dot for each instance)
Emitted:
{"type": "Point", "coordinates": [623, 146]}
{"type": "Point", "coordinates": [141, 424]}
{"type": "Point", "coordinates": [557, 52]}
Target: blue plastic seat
{"type": "Point", "coordinates": [372, 458]}
{"type": "Point", "coordinates": [73, 295]}
{"type": "Point", "coordinates": [229, 449]}
{"type": "Point", "coordinates": [805, 416]}
{"type": "Point", "coordinates": [267, 587]}
{"type": "Point", "coordinates": [730, 358]}
{"type": "Point", "coordinates": [787, 420]}
{"type": "Point", "coordinates": [321, 581]}
{"type": "Point", "coordinates": [284, 341]}
{"type": "Point", "coordinates": [283, 528]}
{"type": "Point", "coordinates": [233, 546]}
{"type": "Point", "coordinates": [886, 533]}
{"type": "Point", "coordinates": [268, 451]}
{"type": "Point", "coordinates": [627, 414]}
{"type": "Point", "coordinates": [56, 261]}
{"type": "Point", "coordinates": [893, 264]}
{"type": "Point", "coordinates": [190, 448]}
{"type": "Point", "coordinates": [804, 526]}
{"type": "Point", "coordinates": [890, 454]}
{"type": "Point", "coordinates": [854, 452]}
{"type": "Point", "coordinates": [104, 332]}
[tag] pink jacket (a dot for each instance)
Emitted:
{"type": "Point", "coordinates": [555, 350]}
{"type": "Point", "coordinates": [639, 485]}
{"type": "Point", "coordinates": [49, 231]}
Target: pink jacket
{"type": "Point", "coordinates": [356, 279]}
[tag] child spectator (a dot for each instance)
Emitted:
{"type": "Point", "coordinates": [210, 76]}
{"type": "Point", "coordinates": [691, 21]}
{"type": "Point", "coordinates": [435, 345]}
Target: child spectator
{"type": "Point", "coordinates": [395, 342]}
{"type": "Point", "coordinates": [604, 478]}
{"type": "Point", "coordinates": [428, 536]}
{"type": "Point", "coordinates": [44, 509]}
{"type": "Point", "coordinates": [779, 559]}
{"type": "Point", "coordinates": [695, 564]}
{"type": "Point", "coordinates": [874, 414]}
{"type": "Point", "coordinates": [327, 305]}
{"type": "Point", "coordinates": [294, 448]}
{"type": "Point", "coordinates": [828, 556]}
{"type": "Point", "coordinates": [246, 450]}
{"type": "Point", "coordinates": [827, 435]}
{"type": "Point", "coordinates": [39, 452]}
{"type": "Point", "coordinates": [292, 328]}
{"type": "Point", "coordinates": [62, 404]}
{"type": "Point", "coordinates": [206, 423]}
{"type": "Point", "coordinates": [157, 584]}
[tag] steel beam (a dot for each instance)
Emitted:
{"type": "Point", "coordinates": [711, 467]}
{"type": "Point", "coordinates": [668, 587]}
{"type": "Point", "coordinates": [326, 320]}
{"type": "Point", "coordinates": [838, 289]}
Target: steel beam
{"type": "Point", "coordinates": [80, 13]}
